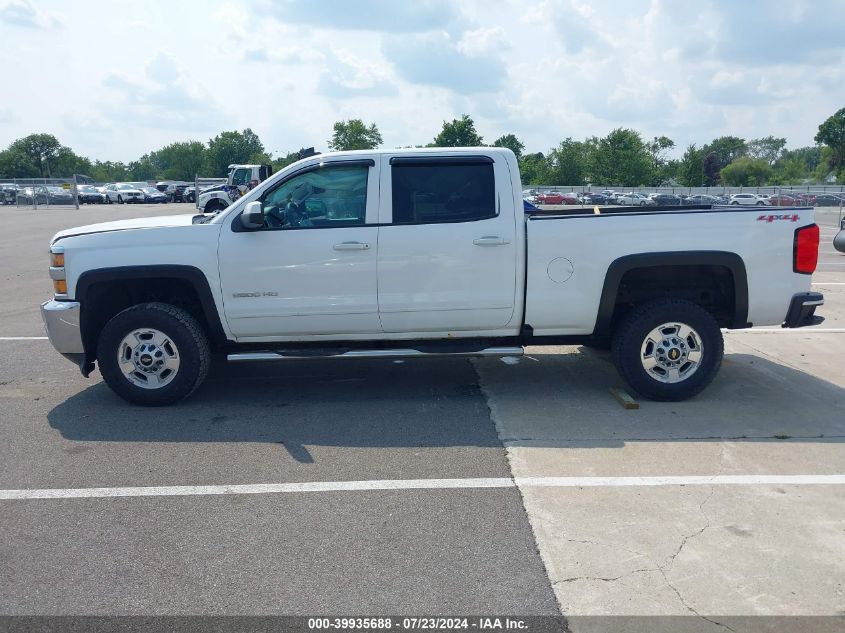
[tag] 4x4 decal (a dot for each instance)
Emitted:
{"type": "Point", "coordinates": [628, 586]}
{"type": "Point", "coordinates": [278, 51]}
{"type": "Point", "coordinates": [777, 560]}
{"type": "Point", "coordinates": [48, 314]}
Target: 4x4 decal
{"type": "Point", "coordinates": [791, 217]}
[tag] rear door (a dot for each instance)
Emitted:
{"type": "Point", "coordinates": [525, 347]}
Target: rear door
{"type": "Point", "coordinates": [447, 251]}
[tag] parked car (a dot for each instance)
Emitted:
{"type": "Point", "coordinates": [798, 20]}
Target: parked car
{"type": "Point", "coordinates": [45, 194]}
{"type": "Point", "coordinates": [88, 194]}
{"type": "Point", "coordinates": [173, 189]}
{"type": "Point", "coordinates": [703, 198]}
{"type": "Point", "coordinates": [157, 296]}
{"type": "Point", "coordinates": [634, 199]}
{"type": "Point", "coordinates": [190, 194]}
{"type": "Point", "coordinates": [8, 193]}
{"type": "Point", "coordinates": [592, 197]}
{"type": "Point", "coordinates": [749, 199]}
{"type": "Point", "coordinates": [804, 198]}
{"type": "Point", "coordinates": [123, 192]}
{"type": "Point", "coordinates": [828, 200]}
{"type": "Point", "coordinates": [555, 197]}
{"type": "Point", "coordinates": [666, 199]}
{"type": "Point", "coordinates": [783, 200]}
{"type": "Point", "coordinates": [153, 195]}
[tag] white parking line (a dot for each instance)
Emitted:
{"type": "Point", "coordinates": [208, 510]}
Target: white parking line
{"type": "Point", "coordinates": [421, 484]}
{"type": "Point", "coordinates": [830, 283]}
{"type": "Point", "coordinates": [800, 330]}
{"type": "Point", "coordinates": [23, 338]}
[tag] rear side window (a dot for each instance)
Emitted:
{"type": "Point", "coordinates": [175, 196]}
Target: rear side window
{"type": "Point", "coordinates": [436, 193]}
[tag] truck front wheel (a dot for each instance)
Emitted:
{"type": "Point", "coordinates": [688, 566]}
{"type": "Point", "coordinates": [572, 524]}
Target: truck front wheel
{"type": "Point", "coordinates": [668, 349]}
{"type": "Point", "coordinates": [214, 206]}
{"type": "Point", "coordinates": [153, 354]}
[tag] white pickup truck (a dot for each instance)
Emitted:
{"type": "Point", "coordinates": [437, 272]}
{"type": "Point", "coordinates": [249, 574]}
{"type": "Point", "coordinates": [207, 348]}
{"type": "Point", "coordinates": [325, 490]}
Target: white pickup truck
{"type": "Point", "coordinates": [414, 253]}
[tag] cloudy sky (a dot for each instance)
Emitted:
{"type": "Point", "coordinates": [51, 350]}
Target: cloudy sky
{"type": "Point", "coordinates": [114, 80]}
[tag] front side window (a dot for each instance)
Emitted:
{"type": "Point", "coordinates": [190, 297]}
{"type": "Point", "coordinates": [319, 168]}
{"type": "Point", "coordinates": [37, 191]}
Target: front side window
{"type": "Point", "coordinates": [241, 177]}
{"type": "Point", "coordinates": [325, 197]}
{"type": "Point", "coordinates": [436, 193]}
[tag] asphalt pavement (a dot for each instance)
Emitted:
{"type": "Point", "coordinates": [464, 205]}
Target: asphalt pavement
{"type": "Point", "coordinates": [710, 550]}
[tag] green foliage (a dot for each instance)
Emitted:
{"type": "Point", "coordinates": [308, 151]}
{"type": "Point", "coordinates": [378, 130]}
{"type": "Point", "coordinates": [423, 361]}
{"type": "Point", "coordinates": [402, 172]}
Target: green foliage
{"type": "Point", "coordinates": [768, 148]}
{"type": "Point", "coordinates": [620, 158]}
{"type": "Point", "coordinates": [690, 171]}
{"type": "Point", "coordinates": [511, 142]}
{"type": "Point", "coordinates": [283, 161]}
{"type": "Point", "coordinates": [177, 161]}
{"type": "Point", "coordinates": [142, 169]}
{"type": "Point", "coordinates": [458, 133]}
{"type": "Point", "coordinates": [41, 156]}
{"type": "Point", "coordinates": [832, 134]}
{"type": "Point", "coordinates": [14, 163]}
{"type": "Point", "coordinates": [534, 169]}
{"type": "Point", "coordinates": [354, 134]}
{"type": "Point", "coordinates": [108, 172]}
{"type": "Point", "coordinates": [567, 164]}
{"type": "Point", "coordinates": [711, 169]}
{"type": "Point", "coordinates": [747, 172]}
{"type": "Point", "coordinates": [790, 171]}
{"type": "Point", "coordinates": [811, 156]}
{"type": "Point", "coordinates": [229, 148]}
{"type": "Point", "coordinates": [727, 148]}
{"type": "Point", "coordinates": [658, 149]}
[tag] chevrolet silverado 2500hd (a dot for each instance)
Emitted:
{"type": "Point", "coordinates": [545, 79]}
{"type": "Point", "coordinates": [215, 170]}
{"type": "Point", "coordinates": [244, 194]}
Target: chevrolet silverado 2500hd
{"type": "Point", "coordinates": [424, 252]}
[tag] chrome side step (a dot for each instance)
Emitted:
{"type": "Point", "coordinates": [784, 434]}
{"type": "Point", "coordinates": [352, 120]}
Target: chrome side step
{"type": "Point", "coordinates": [373, 353]}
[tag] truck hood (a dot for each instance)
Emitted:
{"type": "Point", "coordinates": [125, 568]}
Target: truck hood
{"type": "Point", "coordinates": [126, 225]}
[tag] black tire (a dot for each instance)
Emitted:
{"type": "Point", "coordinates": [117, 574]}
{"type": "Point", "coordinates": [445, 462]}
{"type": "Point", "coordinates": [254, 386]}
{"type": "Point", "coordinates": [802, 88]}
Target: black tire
{"type": "Point", "coordinates": [119, 199]}
{"type": "Point", "coordinates": [631, 334]}
{"type": "Point", "coordinates": [213, 206]}
{"type": "Point", "coordinates": [179, 326]}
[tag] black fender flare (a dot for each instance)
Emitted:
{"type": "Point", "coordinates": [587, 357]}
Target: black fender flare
{"type": "Point", "coordinates": [619, 267]}
{"type": "Point", "coordinates": [191, 274]}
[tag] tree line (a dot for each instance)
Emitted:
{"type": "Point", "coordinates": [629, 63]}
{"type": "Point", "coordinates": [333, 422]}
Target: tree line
{"type": "Point", "coordinates": [622, 158]}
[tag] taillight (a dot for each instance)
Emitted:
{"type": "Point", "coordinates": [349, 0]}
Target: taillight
{"type": "Point", "coordinates": [805, 250]}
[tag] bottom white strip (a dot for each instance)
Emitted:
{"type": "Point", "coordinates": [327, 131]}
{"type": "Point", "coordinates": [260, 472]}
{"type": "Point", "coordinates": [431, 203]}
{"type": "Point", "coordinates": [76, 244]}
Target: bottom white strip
{"type": "Point", "coordinates": [23, 338]}
{"type": "Point", "coordinates": [421, 484]}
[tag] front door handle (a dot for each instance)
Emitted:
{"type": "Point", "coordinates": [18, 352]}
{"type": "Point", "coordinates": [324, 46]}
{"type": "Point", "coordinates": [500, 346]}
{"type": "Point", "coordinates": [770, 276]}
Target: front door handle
{"type": "Point", "coordinates": [352, 246]}
{"type": "Point", "coordinates": [490, 240]}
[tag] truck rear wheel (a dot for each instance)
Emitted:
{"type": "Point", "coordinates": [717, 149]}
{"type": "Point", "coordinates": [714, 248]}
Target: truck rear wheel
{"type": "Point", "coordinates": [668, 349]}
{"type": "Point", "coordinates": [153, 354]}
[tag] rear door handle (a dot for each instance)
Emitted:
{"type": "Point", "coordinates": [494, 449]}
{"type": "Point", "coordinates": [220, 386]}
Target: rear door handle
{"type": "Point", "coordinates": [490, 240]}
{"type": "Point", "coordinates": [352, 246]}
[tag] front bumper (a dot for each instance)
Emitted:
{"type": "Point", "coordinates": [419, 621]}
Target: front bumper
{"type": "Point", "coordinates": [802, 310]}
{"type": "Point", "coordinates": [61, 319]}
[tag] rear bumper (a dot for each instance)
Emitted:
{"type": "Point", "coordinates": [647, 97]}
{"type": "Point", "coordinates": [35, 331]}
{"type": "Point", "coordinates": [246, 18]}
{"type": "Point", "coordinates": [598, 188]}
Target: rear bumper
{"type": "Point", "coordinates": [61, 319]}
{"type": "Point", "coordinates": [802, 310]}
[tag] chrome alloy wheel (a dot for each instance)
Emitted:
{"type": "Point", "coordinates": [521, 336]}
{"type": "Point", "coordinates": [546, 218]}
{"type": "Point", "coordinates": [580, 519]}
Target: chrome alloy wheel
{"type": "Point", "coordinates": [671, 352]}
{"type": "Point", "coordinates": [148, 358]}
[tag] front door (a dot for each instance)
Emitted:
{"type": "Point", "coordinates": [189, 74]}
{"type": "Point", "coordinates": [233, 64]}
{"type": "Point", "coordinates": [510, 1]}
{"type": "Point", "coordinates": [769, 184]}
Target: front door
{"type": "Point", "coordinates": [447, 245]}
{"type": "Point", "coordinates": [311, 269]}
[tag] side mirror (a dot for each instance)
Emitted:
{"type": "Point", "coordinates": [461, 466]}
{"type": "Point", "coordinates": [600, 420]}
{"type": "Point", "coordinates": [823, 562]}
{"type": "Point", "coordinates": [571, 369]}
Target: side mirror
{"type": "Point", "coordinates": [253, 216]}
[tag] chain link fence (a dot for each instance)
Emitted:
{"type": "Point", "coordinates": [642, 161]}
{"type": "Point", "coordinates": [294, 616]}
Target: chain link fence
{"type": "Point", "coordinates": [764, 196]}
{"type": "Point", "coordinates": [36, 193]}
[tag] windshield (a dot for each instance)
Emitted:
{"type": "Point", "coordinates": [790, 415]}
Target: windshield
{"type": "Point", "coordinates": [125, 187]}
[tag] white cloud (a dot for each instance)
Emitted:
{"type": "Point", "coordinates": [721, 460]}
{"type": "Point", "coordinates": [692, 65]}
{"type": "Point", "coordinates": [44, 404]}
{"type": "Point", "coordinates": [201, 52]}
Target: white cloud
{"type": "Point", "coordinates": [543, 70]}
{"type": "Point", "coordinates": [22, 13]}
